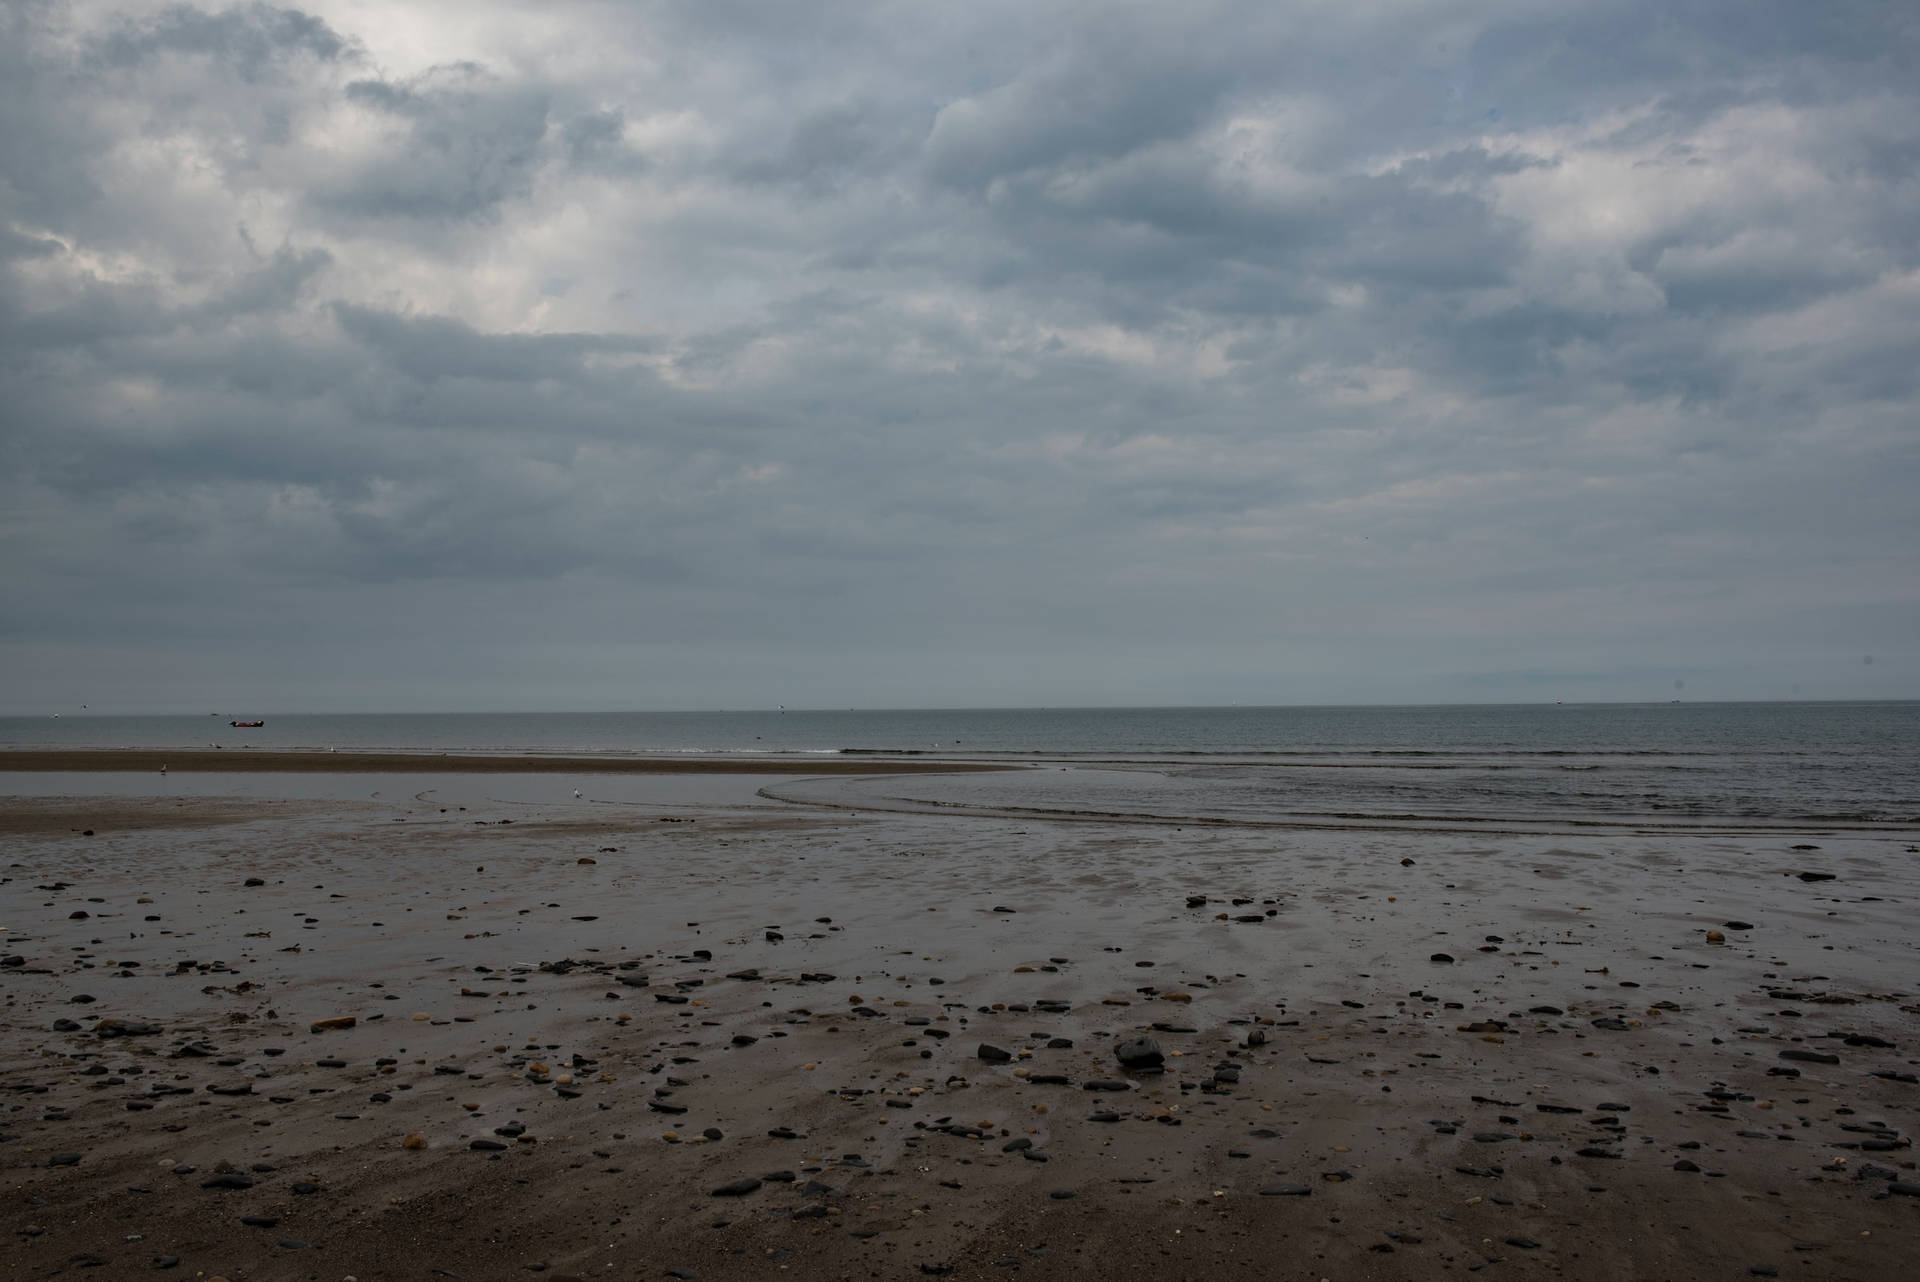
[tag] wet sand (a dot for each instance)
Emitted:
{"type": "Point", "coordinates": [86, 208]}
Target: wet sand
{"type": "Point", "coordinates": [293, 761]}
{"type": "Point", "coordinates": [753, 1039]}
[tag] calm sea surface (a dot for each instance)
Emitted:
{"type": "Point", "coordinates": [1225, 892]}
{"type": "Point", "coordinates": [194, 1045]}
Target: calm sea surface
{"type": "Point", "coordinates": [1764, 762]}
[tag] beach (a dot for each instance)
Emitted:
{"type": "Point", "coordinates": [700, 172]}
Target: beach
{"type": "Point", "coordinates": [707, 1033]}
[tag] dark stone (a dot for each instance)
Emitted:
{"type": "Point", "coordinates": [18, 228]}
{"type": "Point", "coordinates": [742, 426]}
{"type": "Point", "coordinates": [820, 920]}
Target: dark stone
{"type": "Point", "coordinates": [487, 1146]}
{"type": "Point", "coordinates": [1287, 1190]}
{"type": "Point", "coordinates": [993, 1054]}
{"type": "Point", "coordinates": [64, 1159]}
{"type": "Point", "coordinates": [1100, 1085]}
{"type": "Point", "coordinates": [1446, 958]}
{"type": "Point", "coordinates": [228, 1180]}
{"type": "Point", "coordinates": [1684, 1165]}
{"type": "Point", "coordinates": [1739, 925]}
{"type": "Point", "coordinates": [260, 1221]}
{"type": "Point", "coordinates": [1141, 1052]}
{"type": "Point", "coordinates": [1524, 1243]}
{"type": "Point", "coordinates": [736, 1188]}
{"type": "Point", "coordinates": [1063, 1195]}
{"type": "Point", "coordinates": [1810, 1057]}
{"type": "Point", "coordinates": [1816, 876]}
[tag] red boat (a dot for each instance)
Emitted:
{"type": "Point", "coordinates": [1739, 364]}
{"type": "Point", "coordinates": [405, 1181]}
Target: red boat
{"type": "Point", "coordinates": [247, 725]}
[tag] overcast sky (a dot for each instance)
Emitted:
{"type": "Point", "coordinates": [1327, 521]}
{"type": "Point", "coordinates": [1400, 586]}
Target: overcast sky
{"type": "Point", "coordinates": [465, 355]}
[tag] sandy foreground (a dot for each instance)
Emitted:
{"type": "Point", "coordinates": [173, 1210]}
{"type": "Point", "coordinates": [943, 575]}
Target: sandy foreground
{"type": "Point", "coordinates": [446, 1035]}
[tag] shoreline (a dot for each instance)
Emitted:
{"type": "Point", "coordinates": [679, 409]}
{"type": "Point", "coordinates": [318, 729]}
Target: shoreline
{"type": "Point", "coordinates": [309, 761]}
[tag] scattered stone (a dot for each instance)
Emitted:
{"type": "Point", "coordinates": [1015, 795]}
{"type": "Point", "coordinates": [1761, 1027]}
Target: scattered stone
{"type": "Point", "coordinates": [332, 1023]}
{"type": "Point", "coordinates": [112, 1027]}
{"type": "Point", "coordinates": [737, 1188]}
{"type": "Point", "coordinates": [1141, 1052]}
{"type": "Point", "coordinates": [993, 1054]}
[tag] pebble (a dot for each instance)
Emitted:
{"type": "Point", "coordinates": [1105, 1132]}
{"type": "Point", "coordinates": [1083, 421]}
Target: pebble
{"type": "Point", "coordinates": [1141, 1052]}
{"type": "Point", "coordinates": [736, 1188]}
{"type": "Point", "coordinates": [1287, 1190]}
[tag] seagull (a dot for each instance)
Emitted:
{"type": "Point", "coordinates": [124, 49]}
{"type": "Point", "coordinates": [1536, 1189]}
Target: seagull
{"type": "Point", "coordinates": [163, 768]}
{"type": "Point", "coordinates": [576, 794]}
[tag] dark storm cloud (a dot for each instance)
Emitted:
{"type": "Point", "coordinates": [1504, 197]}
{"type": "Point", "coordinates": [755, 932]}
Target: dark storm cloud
{"type": "Point", "coordinates": [253, 41]}
{"type": "Point", "coordinates": [1487, 345]}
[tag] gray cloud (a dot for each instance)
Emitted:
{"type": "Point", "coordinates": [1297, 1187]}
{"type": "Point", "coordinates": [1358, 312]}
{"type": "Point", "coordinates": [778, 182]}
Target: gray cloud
{"type": "Point", "coordinates": [995, 354]}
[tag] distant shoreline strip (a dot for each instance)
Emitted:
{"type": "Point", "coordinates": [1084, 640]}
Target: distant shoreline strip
{"type": "Point", "coordinates": [249, 761]}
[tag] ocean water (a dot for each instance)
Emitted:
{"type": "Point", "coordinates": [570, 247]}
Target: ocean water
{"type": "Point", "coordinates": [1753, 763]}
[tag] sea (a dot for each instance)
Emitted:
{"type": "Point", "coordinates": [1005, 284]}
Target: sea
{"type": "Point", "coordinates": [1645, 766]}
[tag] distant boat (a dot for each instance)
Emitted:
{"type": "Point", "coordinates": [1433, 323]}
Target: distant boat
{"type": "Point", "coordinates": [247, 725]}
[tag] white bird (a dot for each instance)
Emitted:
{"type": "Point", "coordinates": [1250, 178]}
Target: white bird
{"type": "Point", "coordinates": [576, 794]}
{"type": "Point", "coordinates": [163, 768]}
